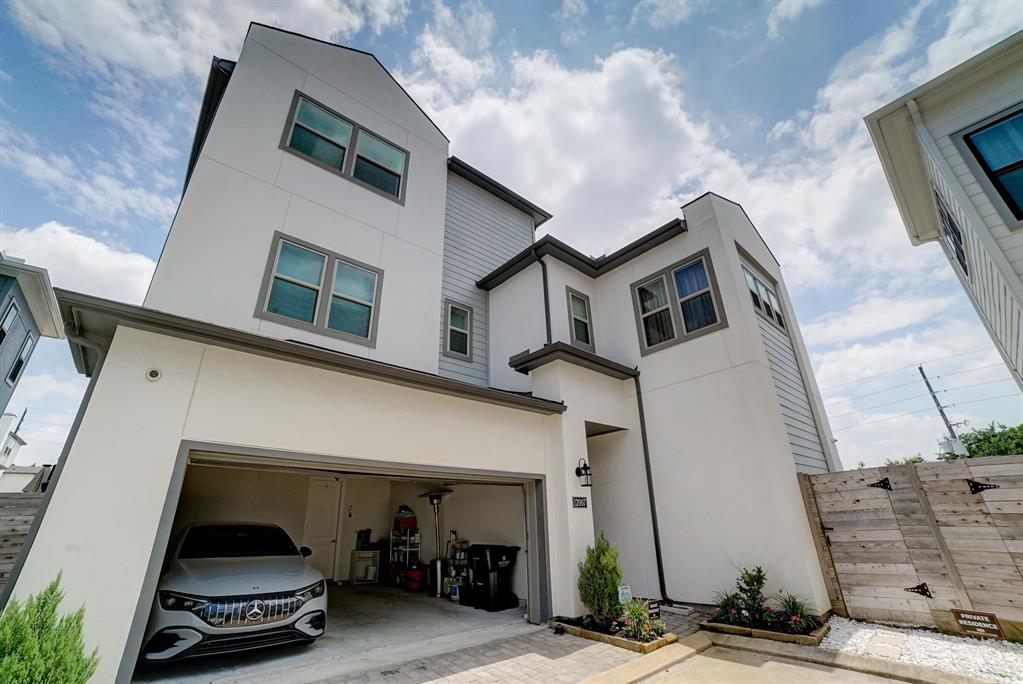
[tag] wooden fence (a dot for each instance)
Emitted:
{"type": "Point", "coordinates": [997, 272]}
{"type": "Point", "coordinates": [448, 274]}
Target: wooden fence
{"type": "Point", "coordinates": [17, 511]}
{"type": "Point", "coordinates": [909, 543]}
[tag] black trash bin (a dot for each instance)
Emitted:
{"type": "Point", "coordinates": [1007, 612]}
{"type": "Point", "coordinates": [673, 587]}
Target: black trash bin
{"type": "Point", "coordinates": [489, 583]}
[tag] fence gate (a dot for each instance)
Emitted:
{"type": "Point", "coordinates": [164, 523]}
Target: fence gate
{"type": "Point", "coordinates": [909, 543]}
{"type": "Point", "coordinates": [17, 511]}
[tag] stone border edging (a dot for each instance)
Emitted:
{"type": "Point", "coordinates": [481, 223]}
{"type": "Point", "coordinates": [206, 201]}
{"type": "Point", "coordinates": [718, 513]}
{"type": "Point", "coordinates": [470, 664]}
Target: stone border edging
{"type": "Point", "coordinates": [891, 669]}
{"type": "Point", "coordinates": [648, 665]}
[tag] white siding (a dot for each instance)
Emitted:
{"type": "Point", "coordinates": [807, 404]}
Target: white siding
{"type": "Point", "coordinates": [481, 232]}
{"type": "Point", "coordinates": [800, 423]}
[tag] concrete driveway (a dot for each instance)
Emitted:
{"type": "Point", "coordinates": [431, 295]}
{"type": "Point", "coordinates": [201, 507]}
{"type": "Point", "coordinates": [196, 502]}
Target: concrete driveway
{"type": "Point", "coordinates": [726, 666]}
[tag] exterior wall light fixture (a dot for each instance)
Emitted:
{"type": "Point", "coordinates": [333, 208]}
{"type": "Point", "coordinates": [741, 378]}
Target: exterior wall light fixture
{"type": "Point", "coordinates": [585, 473]}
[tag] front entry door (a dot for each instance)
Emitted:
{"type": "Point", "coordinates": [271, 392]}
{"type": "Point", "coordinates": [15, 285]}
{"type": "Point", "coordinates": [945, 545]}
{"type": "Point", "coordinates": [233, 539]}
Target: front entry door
{"type": "Point", "coordinates": [320, 532]}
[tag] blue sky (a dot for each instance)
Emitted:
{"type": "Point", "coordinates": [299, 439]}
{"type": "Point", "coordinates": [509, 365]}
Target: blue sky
{"type": "Point", "coordinates": [609, 114]}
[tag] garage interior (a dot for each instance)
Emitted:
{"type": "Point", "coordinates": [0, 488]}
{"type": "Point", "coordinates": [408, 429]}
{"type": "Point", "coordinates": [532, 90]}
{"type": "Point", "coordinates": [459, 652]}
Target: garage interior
{"type": "Point", "coordinates": [373, 536]}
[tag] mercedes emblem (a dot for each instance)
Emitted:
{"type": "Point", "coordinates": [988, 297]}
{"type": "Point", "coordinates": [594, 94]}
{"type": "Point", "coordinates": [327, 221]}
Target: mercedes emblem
{"type": "Point", "coordinates": [255, 610]}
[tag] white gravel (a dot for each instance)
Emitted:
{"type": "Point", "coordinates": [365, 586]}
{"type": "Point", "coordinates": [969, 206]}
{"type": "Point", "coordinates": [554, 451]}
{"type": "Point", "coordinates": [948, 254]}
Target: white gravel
{"type": "Point", "coordinates": [996, 661]}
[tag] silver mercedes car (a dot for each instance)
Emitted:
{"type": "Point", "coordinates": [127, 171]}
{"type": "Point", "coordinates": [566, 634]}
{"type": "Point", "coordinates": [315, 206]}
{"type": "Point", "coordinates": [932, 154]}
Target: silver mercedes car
{"type": "Point", "coordinates": [233, 587]}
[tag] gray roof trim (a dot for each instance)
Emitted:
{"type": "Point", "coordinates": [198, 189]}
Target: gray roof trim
{"type": "Point", "coordinates": [216, 84]}
{"type": "Point", "coordinates": [560, 351]}
{"type": "Point", "coordinates": [593, 267]}
{"type": "Point", "coordinates": [103, 316]}
{"type": "Point", "coordinates": [477, 177]}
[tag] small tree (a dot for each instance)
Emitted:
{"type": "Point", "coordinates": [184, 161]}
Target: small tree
{"type": "Point", "coordinates": [993, 440]}
{"type": "Point", "coordinates": [38, 646]}
{"type": "Point", "coordinates": [600, 573]}
{"type": "Point", "coordinates": [909, 460]}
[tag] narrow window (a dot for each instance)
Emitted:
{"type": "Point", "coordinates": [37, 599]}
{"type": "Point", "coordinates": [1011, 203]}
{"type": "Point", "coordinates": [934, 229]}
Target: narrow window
{"type": "Point", "coordinates": [19, 363]}
{"type": "Point", "coordinates": [459, 331]}
{"type": "Point", "coordinates": [950, 233]}
{"type": "Point", "coordinates": [297, 279]}
{"type": "Point", "coordinates": [998, 148]}
{"type": "Point", "coordinates": [580, 320]}
{"type": "Point", "coordinates": [655, 312]}
{"type": "Point", "coordinates": [764, 298]}
{"type": "Point", "coordinates": [777, 309]}
{"type": "Point", "coordinates": [351, 303]}
{"type": "Point", "coordinates": [379, 164]}
{"type": "Point", "coordinates": [694, 296]}
{"type": "Point", "coordinates": [9, 318]}
{"type": "Point", "coordinates": [751, 283]}
{"type": "Point", "coordinates": [320, 135]}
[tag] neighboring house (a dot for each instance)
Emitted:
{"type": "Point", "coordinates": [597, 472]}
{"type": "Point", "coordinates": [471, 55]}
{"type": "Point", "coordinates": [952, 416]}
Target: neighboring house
{"type": "Point", "coordinates": [12, 441]}
{"type": "Point", "coordinates": [17, 478]}
{"type": "Point", "coordinates": [952, 150]}
{"type": "Point", "coordinates": [338, 295]}
{"type": "Point", "coordinates": [28, 309]}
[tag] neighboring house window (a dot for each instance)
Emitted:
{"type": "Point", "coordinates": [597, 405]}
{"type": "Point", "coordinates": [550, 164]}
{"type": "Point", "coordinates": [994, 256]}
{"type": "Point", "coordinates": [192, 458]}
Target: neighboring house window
{"type": "Point", "coordinates": [19, 363]}
{"type": "Point", "coordinates": [8, 322]}
{"type": "Point", "coordinates": [764, 298]}
{"type": "Point", "coordinates": [293, 291]}
{"type": "Point", "coordinates": [950, 233]}
{"type": "Point", "coordinates": [998, 149]}
{"type": "Point", "coordinates": [458, 327]}
{"type": "Point", "coordinates": [324, 137]}
{"type": "Point", "coordinates": [664, 319]}
{"type": "Point", "coordinates": [580, 319]}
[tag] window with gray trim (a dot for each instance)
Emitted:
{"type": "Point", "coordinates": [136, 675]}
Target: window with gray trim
{"type": "Point", "coordinates": [580, 319]}
{"type": "Point", "coordinates": [10, 317]}
{"type": "Point", "coordinates": [458, 330]}
{"type": "Point", "coordinates": [677, 303]}
{"type": "Point", "coordinates": [313, 288]}
{"type": "Point", "coordinates": [765, 301]}
{"type": "Point", "coordinates": [997, 147]}
{"type": "Point", "coordinates": [19, 363]}
{"type": "Point", "coordinates": [320, 135]}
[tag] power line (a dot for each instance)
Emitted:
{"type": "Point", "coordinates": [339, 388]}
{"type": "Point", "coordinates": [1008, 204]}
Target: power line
{"type": "Point", "coordinates": [914, 382]}
{"type": "Point", "coordinates": [910, 413]}
{"type": "Point", "coordinates": [912, 365]}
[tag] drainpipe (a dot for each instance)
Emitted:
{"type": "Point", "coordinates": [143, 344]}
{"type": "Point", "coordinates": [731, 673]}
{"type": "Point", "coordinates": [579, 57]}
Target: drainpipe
{"type": "Point", "coordinates": [72, 335]}
{"type": "Point", "coordinates": [650, 495]}
{"type": "Point", "coordinates": [546, 294]}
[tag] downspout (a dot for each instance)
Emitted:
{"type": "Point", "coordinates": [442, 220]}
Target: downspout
{"type": "Point", "coordinates": [650, 495]}
{"type": "Point", "coordinates": [546, 294]}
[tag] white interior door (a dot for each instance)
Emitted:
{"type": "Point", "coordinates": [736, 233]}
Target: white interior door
{"type": "Point", "coordinates": [320, 533]}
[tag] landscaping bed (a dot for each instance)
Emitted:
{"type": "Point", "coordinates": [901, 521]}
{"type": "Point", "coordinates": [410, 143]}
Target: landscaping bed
{"type": "Point", "coordinates": [587, 629]}
{"type": "Point", "coordinates": [813, 638]}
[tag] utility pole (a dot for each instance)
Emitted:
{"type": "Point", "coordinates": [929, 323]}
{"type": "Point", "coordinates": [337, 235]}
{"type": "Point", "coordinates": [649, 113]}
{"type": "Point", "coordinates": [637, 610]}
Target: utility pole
{"type": "Point", "coordinates": [21, 420]}
{"type": "Point", "coordinates": [941, 409]}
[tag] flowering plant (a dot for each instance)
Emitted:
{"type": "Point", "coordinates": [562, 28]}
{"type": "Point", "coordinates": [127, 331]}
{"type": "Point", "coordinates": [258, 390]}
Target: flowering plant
{"type": "Point", "coordinates": [635, 623]}
{"type": "Point", "coordinates": [749, 607]}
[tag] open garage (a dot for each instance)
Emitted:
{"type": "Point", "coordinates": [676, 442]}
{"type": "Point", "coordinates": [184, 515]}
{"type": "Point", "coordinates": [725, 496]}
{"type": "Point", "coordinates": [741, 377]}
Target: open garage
{"type": "Point", "coordinates": [372, 532]}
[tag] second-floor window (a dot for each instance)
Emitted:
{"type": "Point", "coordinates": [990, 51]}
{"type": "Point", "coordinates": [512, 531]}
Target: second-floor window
{"type": "Point", "coordinates": [580, 319]}
{"type": "Point", "coordinates": [950, 233]}
{"type": "Point", "coordinates": [764, 298]}
{"type": "Point", "coordinates": [19, 363]}
{"type": "Point", "coordinates": [998, 149]}
{"type": "Point", "coordinates": [458, 331]}
{"type": "Point", "coordinates": [10, 316]}
{"type": "Point", "coordinates": [324, 137]}
{"type": "Point", "coordinates": [313, 288]}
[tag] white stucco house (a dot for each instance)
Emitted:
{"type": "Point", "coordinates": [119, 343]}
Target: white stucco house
{"type": "Point", "coordinates": [952, 150]}
{"type": "Point", "coordinates": [344, 315]}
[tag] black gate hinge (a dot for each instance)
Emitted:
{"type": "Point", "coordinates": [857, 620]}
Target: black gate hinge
{"type": "Point", "coordinates": [883, 483]}
{"type": "Point", "coordinates": [921, 589]}
{"type": "Point", "coordinates": [978, 487]}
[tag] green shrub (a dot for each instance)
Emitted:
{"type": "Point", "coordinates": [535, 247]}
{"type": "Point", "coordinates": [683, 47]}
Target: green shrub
{"type": "Point", "coordinates": [794, 616]}
{"type": "Point", "coordinates": [635, 623]}
{"type": "Point", "coordinates": [600, 573]}
{"type": "Point", "coordinates": [728, 608]}
{"type": "Point", "coordinates": [750, 589]}
{"type": "Point", "coordinates": [38, 647]}
{"type": "Point", "coordinates": [749, 607]}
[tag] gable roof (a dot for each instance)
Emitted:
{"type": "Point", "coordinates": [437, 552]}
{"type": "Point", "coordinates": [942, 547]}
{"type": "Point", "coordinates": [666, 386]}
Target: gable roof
{"type": "Point", "coordinates": [477, 177]}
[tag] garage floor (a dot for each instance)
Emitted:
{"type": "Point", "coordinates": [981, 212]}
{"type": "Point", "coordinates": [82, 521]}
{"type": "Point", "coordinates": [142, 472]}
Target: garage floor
{"type": "Point", "coordinates": [360, 620]}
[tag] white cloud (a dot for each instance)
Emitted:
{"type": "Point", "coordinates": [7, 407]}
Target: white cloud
{"type": "Point", "coordinates": [972, 27]}
{"type": "Point", "coordinates": [874, 315]}
{"type": "Point", "coordinates": [37, 387]}
{"type": "Point", "coordinates": [570, 15]}
{"type": "Point", "coordinates": [79, 262]}
{"type": "Point", "coordinates": [665, 14]}
{"type": "Point", "coordinates": [787, 11]}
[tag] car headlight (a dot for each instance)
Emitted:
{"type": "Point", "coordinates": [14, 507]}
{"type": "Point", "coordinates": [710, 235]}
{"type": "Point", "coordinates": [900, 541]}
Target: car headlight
{"type": "Point", "coordinates": [170, 600]}
{"type": "Point", "coordinates": [312, 591]}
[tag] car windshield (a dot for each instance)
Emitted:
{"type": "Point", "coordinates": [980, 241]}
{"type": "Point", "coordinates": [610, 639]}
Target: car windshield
{"type": "Point", "coordinates": [236, 541]}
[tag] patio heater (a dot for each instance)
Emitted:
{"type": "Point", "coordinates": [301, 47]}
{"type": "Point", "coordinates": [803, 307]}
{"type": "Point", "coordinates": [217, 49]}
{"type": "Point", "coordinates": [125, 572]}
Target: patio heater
{"type": "Point", "coordinates": [437, 564]}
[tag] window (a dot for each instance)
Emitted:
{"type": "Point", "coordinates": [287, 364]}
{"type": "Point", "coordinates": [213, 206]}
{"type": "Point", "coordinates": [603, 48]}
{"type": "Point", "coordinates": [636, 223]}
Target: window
{"type": "Point", "coordinates": [655, 313]}
{"type": "Point", "coordinates": [998, 149]}
{"type": "Point", "coordinates": [695, 299]}
{"type": "Point", "coordinates": [295, 290]}
{"type": "Point", "coordinates": [236, 541]}
{"type": "Point", "coordinates": [8, 321]}
{"type": "Point", "coordinates": [320, 135]}
{"type": "Point", "coordinates": [579, 319]}
{"type": "Point", "coordinates": [19, 363]}
{"type": "Point", "coordinates": [314, 288]}
{"type": "Point", "coordinates": [950, 233]}
{"type": "Point", "coordinates": [765, 300]}
{"type": "Point", "coordinates": [665, 317]}
{"type": "Point", "coordinates": [379, 164]}
{"type": "Point", "coordinates": [458, 331]}
{"type": "Point", "coordinates": [324, 137]}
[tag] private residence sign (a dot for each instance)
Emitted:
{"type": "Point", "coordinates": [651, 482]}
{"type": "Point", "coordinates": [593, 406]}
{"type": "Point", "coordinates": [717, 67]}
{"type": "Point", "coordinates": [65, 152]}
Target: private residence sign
{"type": "Point", "coordinates": [976, 624]}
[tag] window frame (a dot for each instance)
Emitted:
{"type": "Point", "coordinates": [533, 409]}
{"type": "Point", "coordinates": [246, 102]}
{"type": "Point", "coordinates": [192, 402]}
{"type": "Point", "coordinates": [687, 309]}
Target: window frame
{"type": "Point", "coordinates": [348, 167]}
{"type": "Point", "coordinates": [953, 245]}
{"type": "Point", "coordinates": [326, 294]}
{"type": "Point", "coordinates": [674, 303]}
{"type": "Point", "coordinates": [447, 351]}
{"type": "Point", "coordinates": [572, 292]}
{"type": "Point", "coordinates": [771, 288]}
{"type": "Point", "coordinates": [27, 344]}
{"type": "Point", "coordinates": [11, 306]}
{"type": "Point", "coordinates": [682, 300]}
{"type": "Point", "coordinates": [981, 172]}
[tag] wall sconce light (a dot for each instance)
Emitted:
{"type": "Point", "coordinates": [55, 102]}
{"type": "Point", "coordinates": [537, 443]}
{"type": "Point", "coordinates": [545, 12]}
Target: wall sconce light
{"type": "Point", "coordinates": [585, 473]}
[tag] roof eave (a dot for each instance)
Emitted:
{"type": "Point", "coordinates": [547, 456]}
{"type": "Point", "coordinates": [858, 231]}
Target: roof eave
{"type": "Point", "coordinates": [502, 192]}
{"type": "Point", "coordinates": [38, 292]}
